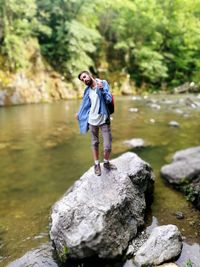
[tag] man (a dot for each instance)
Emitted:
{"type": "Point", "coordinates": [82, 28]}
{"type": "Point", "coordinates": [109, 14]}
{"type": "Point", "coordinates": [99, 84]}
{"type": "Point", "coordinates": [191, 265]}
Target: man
{"type": "Point", "coordinates": [94, 115]}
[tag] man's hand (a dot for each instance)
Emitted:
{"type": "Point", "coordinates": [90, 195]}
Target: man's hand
{"type": "Point", "coordinates": [100, 85]}
{"type": "Point", "coordinates": [76, 116]}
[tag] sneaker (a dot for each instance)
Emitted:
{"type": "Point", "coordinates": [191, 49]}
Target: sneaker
{"type": "Point", "coordinates": [108, 166]}
{"type": "Point", "coordinates": [97, 169]}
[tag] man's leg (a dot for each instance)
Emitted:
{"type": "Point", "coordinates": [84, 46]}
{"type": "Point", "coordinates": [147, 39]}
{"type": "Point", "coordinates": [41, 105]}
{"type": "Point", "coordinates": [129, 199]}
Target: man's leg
{"type": "Point", "coordinates": [107, 143]}
{"type": "Point", "coordinates": [106, 155]}
{"type": "Point", "coordinates": [95, 148]}
{"type": "Point", "coordinates": [95, 152]}
{"type": "Point", "coordinates": [107, 140]}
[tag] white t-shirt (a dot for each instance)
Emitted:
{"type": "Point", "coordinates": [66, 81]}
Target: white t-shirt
{"type": "Point", "coordinates": [94, 117]}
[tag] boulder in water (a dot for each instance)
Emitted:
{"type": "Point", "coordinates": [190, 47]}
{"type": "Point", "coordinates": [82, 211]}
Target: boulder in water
{"type": "Point", "coordinates": [99, 215]}
{"type": "Point", "coordinates": [184, 173]}
{"type": "Point", "coordinates": [41, 256]}
{"type": "Point", "coordinates": [164, 244]}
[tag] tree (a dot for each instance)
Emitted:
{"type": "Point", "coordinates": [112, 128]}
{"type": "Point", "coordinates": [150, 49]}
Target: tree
{"type": "Point", "coordinates": [156, 41]}
{"type": "Point", "coordinates": [74, 35]}
{"type": "Point", "coordinates": [18, 22]}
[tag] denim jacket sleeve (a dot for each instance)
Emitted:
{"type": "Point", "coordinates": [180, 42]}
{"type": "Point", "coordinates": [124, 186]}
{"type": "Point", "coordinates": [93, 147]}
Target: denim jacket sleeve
{"type": "Point", "coordinates": [106, 92]}
{"type": "Point", "coordinates": [84, 112]}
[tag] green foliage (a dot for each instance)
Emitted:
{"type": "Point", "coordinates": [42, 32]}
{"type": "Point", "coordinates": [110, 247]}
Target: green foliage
{"type": "Point", "coordinates": [73, 39]}
{"type": "Point", "coordinates": [18, 19]}
{"type": "Point", "coordinates": [81, 43]}
{"type": "Point", "coordinates": [191, 192]}
{"type": "Point", "coordinates": [63, 255]}
{"type": "Point", "coordinates": [189, 263]}
{"type": "Point", "coordinates": [150, 64]}
{"type": "Point", "coordinates": [159, 40]}
{"type": "Point", "coordinates": [156, 42]}
{"type": "Point", "coordinates": [15, 48]}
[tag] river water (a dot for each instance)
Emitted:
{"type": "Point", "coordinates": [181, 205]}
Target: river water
{"type": "Point", "coordinates": [42, 154]}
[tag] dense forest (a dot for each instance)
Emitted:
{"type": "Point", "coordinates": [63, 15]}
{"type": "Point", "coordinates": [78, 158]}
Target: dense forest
{"type": "Point", "coordinates": [155, 43]}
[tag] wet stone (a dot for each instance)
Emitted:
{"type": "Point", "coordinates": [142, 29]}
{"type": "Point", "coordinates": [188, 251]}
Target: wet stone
{"type": "Point", "coordinates": [179, 215]}
{"type": "Point", "coordinates": [133, 110]}
{"type": "Point", "coordinates": [136, 244]}
{"type": "Point", "coordinates": [41, 256]}
{"type": "Point", "coordinates": [134, 143]}
{"type": "Point", "coordinates": [191, 223]}
{"type": "Point", "coordinates": [174, 124]}
{"type": "Point", "coordinates": [164, 244]}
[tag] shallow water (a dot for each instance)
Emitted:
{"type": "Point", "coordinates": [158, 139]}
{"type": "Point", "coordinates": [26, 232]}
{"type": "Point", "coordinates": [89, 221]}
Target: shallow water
{"type": "Point", "coordinates": [42, 154]}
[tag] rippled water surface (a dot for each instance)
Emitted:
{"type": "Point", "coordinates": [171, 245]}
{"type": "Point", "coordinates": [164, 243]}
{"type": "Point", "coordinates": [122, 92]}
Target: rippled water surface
{"type": "Point", "coordinates": [42, 154]}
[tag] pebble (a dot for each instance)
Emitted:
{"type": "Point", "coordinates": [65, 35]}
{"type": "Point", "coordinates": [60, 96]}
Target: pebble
{"type": "Point", "coordinates": [174, 124]}
{"type": "Point", "coordinates": [135, 142]}
{"type": "Point", "coordinates": [155, 106]}
{"type": "Point", "coordinates": [152, 120]}
{"type": "Point", "coordinates": [179, 215]}
{"type": "Point", "coordinates": [50, 144]}
{"type": "Point", "coordinates": [136, 98]}
{"type": "Point", "coordinates": [178, 111]}
{"type": "Point", "coordinates": [133, 109]}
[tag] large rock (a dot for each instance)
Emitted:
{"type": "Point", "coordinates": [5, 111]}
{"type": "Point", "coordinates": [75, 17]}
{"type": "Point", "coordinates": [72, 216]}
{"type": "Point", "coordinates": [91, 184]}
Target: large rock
{"type": "Point", "coordinates": [41, 257]}
{"type": "Point", "coordinates": [184, 172]}
{"type": "Point", "coordinates": [185, 166]}
{"type": "Point", "coordinates": [181, 171]}
{"type": "Point", "coordinates": [38, 82]}
{"type": "Point", "coordinates": [100, 215]}
{"type": "Point", "coordinates": [164, 244]}
{"type": "Point", "coordinates": [193, 152]}
{"type": "Point", "coordinates": [187, 87]}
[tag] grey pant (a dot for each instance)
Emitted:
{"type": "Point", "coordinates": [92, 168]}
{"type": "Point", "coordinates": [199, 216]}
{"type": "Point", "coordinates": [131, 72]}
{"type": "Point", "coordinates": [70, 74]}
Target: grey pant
{"type": "Point", "coordinates": [106, 133]}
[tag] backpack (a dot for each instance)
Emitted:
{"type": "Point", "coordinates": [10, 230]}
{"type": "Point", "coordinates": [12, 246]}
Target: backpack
{"type": "Point", "coordinates": [111, 106]}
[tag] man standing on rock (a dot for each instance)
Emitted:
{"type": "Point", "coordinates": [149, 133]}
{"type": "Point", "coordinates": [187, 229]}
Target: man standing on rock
{"type": "Point", "coordinates": [94, 115]}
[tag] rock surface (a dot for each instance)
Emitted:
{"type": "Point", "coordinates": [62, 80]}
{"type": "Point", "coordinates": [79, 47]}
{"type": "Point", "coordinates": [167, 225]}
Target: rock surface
{"type": "Point", "coordinates": [184, 172]}
{"type": "Point", "coordinates": [41, 257]}
{"type": "Point", "coordinates": [174, 124]}
{"type": "Point", "coordinates": [136, 243]}
{"type": "Point", "coordinates": [187, 87]}
{"type": "Point", "coordinates": [163, 244]}
{"type": "Point", "coordinates": [185, 165]}
{"type": "Point", "coordinates": [36, 83]}
{"type": "Point", "coordinates": [134, 143]}
{"type": "Point", "coordinates": [169, 264]}
{"type": "Point", "coordinates": [193, 152]}
{"type": "Point", "coordinates": [100, 215]}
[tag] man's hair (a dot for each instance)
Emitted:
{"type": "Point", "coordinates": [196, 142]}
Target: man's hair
{"type": "Point", "coordinates": [84, 71]}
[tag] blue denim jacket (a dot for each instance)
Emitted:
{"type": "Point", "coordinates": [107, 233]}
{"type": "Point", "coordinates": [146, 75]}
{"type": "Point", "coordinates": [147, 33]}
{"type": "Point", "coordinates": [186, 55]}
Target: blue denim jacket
{"type": "Point", "coordinates": [83, 114]}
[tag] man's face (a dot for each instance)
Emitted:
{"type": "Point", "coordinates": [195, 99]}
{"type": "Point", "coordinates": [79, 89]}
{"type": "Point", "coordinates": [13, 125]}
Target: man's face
{"type": "Point", "coordinates": [86, 79]}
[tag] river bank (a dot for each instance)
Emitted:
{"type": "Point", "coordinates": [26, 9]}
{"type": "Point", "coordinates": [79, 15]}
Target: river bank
{"type": "Point", "coordinates": [40, 83]}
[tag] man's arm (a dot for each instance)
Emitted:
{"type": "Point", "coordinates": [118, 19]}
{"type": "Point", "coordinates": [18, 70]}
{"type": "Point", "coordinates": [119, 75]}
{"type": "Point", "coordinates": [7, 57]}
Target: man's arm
{"type": "Point", "coordinates": [104, 86]}
{"type": "Point", "coordinates": [77, 113]}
